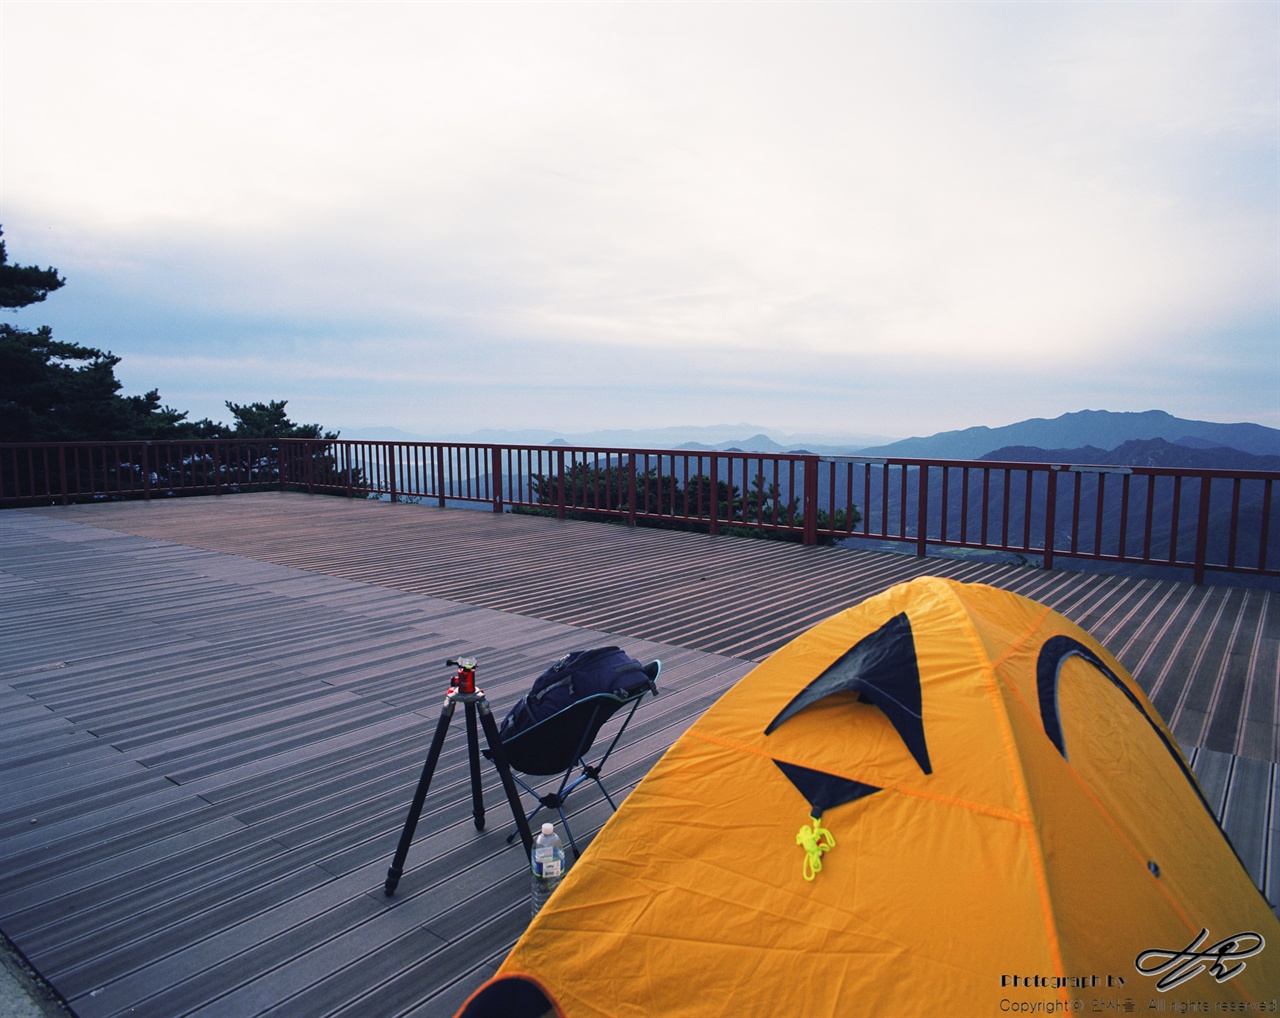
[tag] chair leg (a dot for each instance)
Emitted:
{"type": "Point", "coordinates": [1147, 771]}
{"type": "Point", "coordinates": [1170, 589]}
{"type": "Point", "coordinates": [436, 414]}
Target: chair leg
{"type": "Point", "coordinates": [572, 844]}
{"type": "Point", "coordinates": [558, 800]}
{"type": "Point", "coordinates": [529, 819]}
{"type": "Point", "coordinates": [564, 820]}
{"type": "Point", "coordinates": [512, 836]}
{"type": "Point", "coordinates": [606, 794]}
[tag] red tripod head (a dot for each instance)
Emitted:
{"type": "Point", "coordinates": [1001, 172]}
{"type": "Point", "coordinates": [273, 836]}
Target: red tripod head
{"type": "Point", "coordinates": [465, 680]}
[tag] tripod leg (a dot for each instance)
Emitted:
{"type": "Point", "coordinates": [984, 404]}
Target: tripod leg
{"type": "Point", "coordinates": [473, 752]}
{"type": "Point", "coordinates": [504, 771]}
{"type": "Point", "coordinates": [419, 797]}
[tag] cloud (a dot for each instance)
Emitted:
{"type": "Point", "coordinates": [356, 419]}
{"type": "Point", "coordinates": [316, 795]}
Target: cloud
{"type": "Point", "coordinates": [728, 192]}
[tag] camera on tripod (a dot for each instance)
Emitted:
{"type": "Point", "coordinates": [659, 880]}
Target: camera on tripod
{"type": "Point", "coordinates": [462, 689]}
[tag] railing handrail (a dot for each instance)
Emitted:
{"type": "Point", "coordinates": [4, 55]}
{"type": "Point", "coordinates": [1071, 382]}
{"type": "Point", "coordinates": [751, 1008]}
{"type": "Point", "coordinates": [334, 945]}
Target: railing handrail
{"type": "Point", "coordinates": [150, 441]}
{"type": "Point", "coordinates": [1113, 510]}
{"type": "Point", "coordinates": [1057, 465]}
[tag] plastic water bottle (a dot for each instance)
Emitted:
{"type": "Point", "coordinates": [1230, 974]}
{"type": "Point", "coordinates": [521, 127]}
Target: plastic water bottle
{"type": "Point", "coordinates": [547, 865]}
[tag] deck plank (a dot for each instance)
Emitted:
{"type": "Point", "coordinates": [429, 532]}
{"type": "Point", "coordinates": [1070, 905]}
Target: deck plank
{"type": "Point", "coordinates": [695, 590]}
{"type": "Point", "coordinates": [1271, 810]}
{"type": "Point", "coordinates": [311, 766]}
{"type": "Point", "coordinates": [217, 723]}
{"type": "Point", "coordinates": [1245, 824]}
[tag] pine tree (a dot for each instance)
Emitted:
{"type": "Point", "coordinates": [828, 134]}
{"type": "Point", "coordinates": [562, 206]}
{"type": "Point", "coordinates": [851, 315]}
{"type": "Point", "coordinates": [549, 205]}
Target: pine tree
{"type": "Point", "coordinates": [52, 391]}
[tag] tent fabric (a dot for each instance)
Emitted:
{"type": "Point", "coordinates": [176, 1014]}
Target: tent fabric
{"type": "Point", "coordinates": [1014, 827]}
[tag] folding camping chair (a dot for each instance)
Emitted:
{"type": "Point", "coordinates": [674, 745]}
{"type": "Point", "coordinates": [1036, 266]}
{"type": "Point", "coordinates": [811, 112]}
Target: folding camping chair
{"type": "Point", "coordinates": [560, 743]}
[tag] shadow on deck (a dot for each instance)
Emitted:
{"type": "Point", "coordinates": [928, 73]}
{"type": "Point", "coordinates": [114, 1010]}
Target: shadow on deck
{"type": "Point", "coordinates": [216, 710]}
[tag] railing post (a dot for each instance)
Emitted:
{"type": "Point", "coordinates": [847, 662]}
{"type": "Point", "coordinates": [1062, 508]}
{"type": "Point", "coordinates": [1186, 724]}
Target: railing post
{"type": "Point", "coordinates": [1202, 530]}
{"type": "Point", "coordinates": [282, 466]}
{"type": "Point", "coordinates": [810, 508]}
{"type": "Point", "coordinates": [217, 470]}
{"type": "Point", "coordinates": [922, 512]}
{"type": "Point", "coordinates": [62, 470]}
{"type": "Point", "coordinates": [631, 489]}
{"type": "Point", "coordinates": [1265, 530]}
{"type": "Point", "coordinates": [391, 469]}
{"type": "Point", "coordinates": [146, 471]}
{"type": "Point", "coordinates": [497, 478]}
{"type": "Point", "coordinates": [559, 484]}
{"type": "Point", "coordinates": [715, 491]}
{"type": "Point", "coordinates": [1050, 515]}
{"type": "Point", "coordinates": [440, 475]}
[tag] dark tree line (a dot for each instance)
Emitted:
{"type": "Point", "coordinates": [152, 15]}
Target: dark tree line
{"type": "Point", "coordinates": [594, 491]}
{"type": "Point", "coordinates": [53, 391]}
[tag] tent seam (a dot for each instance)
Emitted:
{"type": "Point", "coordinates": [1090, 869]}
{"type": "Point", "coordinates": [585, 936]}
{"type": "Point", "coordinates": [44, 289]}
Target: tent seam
{"type": "Point", "coordinates": [1018, 775]}
{"type": "Point", "coordinates": [919, 793]}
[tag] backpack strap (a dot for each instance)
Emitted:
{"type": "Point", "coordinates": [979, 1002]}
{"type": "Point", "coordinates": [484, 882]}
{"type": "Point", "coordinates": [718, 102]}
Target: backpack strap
{"type": "Point", "coordinates": [545, 691]}
{"type": "Point", "coordinates": [627, 669]}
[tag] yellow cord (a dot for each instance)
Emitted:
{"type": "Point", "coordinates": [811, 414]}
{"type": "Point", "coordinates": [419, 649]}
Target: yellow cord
{"type": "Point", "coordinates": [814, 840]}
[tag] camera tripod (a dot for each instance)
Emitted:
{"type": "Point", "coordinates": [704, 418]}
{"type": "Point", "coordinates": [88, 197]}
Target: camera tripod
{"type": "Point", "coordinates": [462, 689]}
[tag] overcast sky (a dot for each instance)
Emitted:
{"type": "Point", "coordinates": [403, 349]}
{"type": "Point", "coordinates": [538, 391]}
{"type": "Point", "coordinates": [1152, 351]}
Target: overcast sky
{"type": "Point", "coordinates": [849, 218]}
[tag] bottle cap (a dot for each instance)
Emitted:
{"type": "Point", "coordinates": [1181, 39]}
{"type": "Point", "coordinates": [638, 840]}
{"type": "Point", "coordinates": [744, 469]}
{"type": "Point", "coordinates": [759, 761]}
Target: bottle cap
{"type": "Point", "coordinates": [548, 829]}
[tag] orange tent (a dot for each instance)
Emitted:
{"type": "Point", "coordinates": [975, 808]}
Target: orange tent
{"type": "Point", "coordinates": [946, 800]}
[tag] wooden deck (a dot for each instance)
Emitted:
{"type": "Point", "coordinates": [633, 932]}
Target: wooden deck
{"type": "Point", "coordinates": [216, 708]}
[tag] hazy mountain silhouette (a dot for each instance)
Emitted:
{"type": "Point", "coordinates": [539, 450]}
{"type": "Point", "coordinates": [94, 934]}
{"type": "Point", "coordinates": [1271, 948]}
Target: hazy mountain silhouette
{"type": "Point", "coordinates": [1155, 452]}
{"type": "Point", "coordinates": [1101, 429]}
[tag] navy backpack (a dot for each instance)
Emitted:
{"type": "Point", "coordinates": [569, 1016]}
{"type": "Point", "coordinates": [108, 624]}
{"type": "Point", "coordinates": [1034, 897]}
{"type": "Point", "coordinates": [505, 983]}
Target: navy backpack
{"type": "Point", "coordinates": [578, 674]}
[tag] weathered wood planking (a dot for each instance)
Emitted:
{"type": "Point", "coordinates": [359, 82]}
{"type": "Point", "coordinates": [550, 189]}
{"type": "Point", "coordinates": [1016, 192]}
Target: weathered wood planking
{"type": "Point", "coordinates": [1208, 656]}
{"type": "Point", "coordinates": [219, 754]}
{"type": "Point", "coordinates": [219, 751]}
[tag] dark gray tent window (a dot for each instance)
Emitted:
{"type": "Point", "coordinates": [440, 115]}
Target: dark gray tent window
{"type": "Point", "coordinates": [881, 668]}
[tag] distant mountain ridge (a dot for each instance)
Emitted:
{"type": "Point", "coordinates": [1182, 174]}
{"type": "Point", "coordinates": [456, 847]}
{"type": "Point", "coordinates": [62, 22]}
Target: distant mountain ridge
{"type": "Point", "coordinates": [1101, 429]}
{"type": "Point", "coordinates": [1155, 452]}
{"type": "Point", "coordinates": [718, 437]}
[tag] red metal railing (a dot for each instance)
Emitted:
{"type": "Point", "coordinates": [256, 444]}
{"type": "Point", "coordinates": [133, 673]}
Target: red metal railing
{"type": "Point", "coordinates": [1200, 520]}
{"type": "Point", "coordinates": [32, 473]}
{"type": "Point", "coordinates": [1187, 518]}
